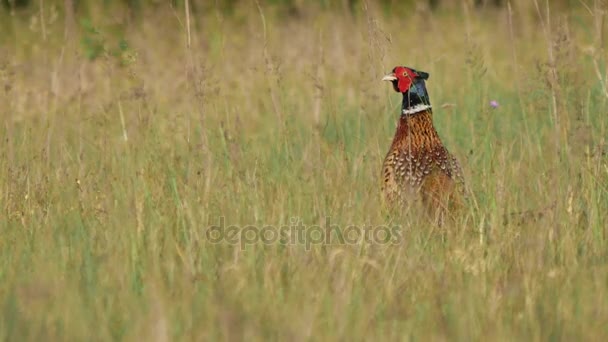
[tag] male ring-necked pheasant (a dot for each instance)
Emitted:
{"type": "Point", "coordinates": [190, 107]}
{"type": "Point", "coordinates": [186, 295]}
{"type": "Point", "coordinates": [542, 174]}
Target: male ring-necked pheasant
{"type": "Point", "coordinates": [418, 166]}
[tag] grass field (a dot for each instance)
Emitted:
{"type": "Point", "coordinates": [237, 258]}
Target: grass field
{"type": "Point", "coordinates": [125, 137]}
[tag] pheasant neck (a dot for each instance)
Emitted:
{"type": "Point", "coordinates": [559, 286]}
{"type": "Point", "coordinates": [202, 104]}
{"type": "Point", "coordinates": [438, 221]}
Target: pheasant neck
{"type": "Point", "coordinates": [415, 100]}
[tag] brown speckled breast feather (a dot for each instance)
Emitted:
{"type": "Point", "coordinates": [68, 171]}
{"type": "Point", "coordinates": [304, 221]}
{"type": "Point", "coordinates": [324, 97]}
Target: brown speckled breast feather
{"type": "Point", "coordinates": [418, 166]}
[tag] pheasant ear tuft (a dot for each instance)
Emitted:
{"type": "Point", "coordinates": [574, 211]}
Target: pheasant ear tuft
{"type": "Point", "coordinates": [423, 75]}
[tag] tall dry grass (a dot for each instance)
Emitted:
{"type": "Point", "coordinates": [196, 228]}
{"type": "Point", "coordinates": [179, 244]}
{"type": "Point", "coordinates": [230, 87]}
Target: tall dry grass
{"type": "Point", "coordinates": [125, 137]}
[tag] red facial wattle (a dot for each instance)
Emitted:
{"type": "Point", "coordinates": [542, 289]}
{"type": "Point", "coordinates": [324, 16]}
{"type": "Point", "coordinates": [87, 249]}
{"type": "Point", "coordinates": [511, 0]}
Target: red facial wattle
{"type": "Point", "coordinates": [402, 78]}
{"type": "Point", "coordinates": [405, 77]}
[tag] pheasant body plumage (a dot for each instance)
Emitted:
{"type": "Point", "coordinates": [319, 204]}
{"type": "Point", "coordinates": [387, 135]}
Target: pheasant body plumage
{"type": "Point", "coordinates": [418, 165]}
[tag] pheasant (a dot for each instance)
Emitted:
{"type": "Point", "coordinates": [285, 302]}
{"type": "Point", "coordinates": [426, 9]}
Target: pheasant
{"type": "Point", "coordinates": [418, 166]}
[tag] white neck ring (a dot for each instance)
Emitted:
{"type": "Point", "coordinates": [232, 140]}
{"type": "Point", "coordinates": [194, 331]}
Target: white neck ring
{"type": "Point", "coordinates": [416, 109]}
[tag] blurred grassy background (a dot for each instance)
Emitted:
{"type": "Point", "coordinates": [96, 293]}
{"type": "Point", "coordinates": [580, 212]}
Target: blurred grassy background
{"type": "Point", "coordinates": [130, 127]}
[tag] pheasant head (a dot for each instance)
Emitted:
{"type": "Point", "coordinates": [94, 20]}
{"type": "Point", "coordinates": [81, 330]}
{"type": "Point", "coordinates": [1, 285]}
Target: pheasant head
{"type": "Point", "coordinates": [411, 83]}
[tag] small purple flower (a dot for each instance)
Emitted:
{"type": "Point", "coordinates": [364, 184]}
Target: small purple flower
{"type": "Point", "coordinates": [494, 104]}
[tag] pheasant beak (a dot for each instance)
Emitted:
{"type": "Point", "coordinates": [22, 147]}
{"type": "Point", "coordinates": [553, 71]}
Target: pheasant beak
{"type": "Point", "coordinates": [390, 77]}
